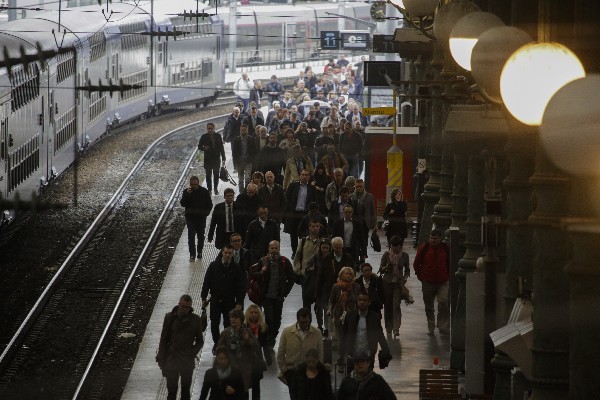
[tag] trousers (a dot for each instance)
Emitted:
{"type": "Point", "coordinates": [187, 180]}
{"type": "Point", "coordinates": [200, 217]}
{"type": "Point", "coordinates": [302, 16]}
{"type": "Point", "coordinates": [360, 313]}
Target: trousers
{"type": "Point", "coordinates": [195, 228]}
{"type": "Point", "coordinates": [173, 372]}
{"type": "Point", "coordinates": [212, 175]}
{"type": "Point", "coordinates": [273, 309]}
{"type": "Point", "coordinates": [431, 293]}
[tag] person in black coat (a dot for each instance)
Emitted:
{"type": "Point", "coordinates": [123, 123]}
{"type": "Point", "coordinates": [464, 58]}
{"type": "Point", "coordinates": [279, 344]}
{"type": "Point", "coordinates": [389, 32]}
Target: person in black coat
{"type": "Point", "coordinates": [221, 222]}
{"type": "Point", "coordinates": [272, 158]}
{"type": "Point", "coordinates": [350, 227]}
{"type": "Point", "coordinates": [253, 120]}
{"type": "Point", "coordinates": [247, 203]}
{"type": "Point", "coordinates": [198, 204]}
{"type": "Point", "coordinates": [312, 379]}
{"type": "Point", "coordinates": [241, 256]}
{"type": "Point", "coordinates": [374, 331]}
{"type": "Point", "coordinates": [363, 383]}
{"type": "Point", "coordinates": [225, 282]}
{"type": "Point", "coordinates": [373, 286]}
{"type": "Point", "coordinates": [211, 144]}
{"type": "Point", "coordinates": [260, 233]}
{"type": "Point", "coordinates": [296, 209]}
{"type": "Point", "coordinates": [336, 208]}
{"type": "Point", "coordinates": [395, 215]}
{"type": "Point", "coordinates": [223, 380]}
{"type": "Point", "coordinates": [243, 152]}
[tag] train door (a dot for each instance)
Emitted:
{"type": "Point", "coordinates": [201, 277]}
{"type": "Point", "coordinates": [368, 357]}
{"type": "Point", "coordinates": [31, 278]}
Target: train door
{"type": "Point", "coordinates": [290, 36]}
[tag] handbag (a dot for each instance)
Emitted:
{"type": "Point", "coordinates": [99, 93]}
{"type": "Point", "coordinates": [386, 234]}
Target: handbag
{"type": "Point", "coordinates": [225, 176]}
{"type": "Point", "coordinates": [375, 242]}
{"type": "Point", "coordinates": [255, 289]}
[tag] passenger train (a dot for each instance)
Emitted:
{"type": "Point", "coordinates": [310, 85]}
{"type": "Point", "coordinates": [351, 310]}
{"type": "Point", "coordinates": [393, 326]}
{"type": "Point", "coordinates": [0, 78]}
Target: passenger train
{"type": "Point", "coordinates": [44, 120]}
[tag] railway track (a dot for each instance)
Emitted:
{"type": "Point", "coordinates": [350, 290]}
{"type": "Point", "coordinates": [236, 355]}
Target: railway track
{"type": "Point", "coordinates": [56, 347]}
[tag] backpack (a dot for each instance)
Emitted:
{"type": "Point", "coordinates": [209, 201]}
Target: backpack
{"type": "Point", "coordinates": [255, 284]}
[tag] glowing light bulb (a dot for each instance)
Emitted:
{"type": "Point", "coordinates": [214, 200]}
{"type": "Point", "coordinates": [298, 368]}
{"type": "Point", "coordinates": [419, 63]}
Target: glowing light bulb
{"type": "Point", "coordinates": [466, 33]}
{"type": "Point", "coordinates": [532, 75]}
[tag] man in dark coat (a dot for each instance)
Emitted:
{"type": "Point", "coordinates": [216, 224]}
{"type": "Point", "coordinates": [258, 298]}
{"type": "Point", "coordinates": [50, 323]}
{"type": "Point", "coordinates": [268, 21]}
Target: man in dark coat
{"type": "Point", "coordinates": [363, 383]}
{"type": "Point", "coordinates": [351, 231]}
{"type": "Point", "coordinates": [198, 204]}
{"type": "Point", "coordinates": [299, 195]}
{"type": "Point", "coordinates": [272, 196]}
{"type": "Point", "coordinates": [272, 158]}
{"type": "Point", "coordinates": [232, 125]}
{"type": "Point", "coordinates": [180, 341]}
{"type": "Point", "coordinates": [211, 144]}
{"type": "Point", "coordinates": [243, 152]}
{"type": "Point", "coordinates": [247, 203]}
{"type": "Point", "coordinates": [278, 278]}
{"type": "Point", "coordinates": [253, 120]}
{"type": "Point", "coordinates": [225, 282]}
{"type": "Point", "coordinates": [336, 207]}
{"type": "Point", "coordinates": [274, 89]}
{"type": "Point", "coordinates": [373, 286]}
{"type": "Point", "coordinates": [262, 231]}
{"type": "Point", "coordinates": [225, 220]}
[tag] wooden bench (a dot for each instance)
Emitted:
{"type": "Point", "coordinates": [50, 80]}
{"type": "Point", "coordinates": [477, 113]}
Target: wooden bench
{"type": "Point", "coordinates": [437, 384]}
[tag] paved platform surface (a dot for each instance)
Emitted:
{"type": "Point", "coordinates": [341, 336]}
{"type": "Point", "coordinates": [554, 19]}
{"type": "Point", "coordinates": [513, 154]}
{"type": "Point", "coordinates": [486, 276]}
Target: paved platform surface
{"type": "Point", "coordinates": [413, 351]}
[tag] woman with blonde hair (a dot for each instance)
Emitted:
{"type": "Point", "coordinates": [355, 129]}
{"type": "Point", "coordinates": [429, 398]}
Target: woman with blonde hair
{"type": "Point", "coordinates": [254, 320]}
{"type": "Point", "coordinates": [342, 299]}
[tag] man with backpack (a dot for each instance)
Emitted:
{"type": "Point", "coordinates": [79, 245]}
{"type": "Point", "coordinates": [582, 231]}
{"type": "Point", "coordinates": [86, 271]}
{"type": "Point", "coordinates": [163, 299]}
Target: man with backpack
{"type": "Point", "coordinates": [432, 266]}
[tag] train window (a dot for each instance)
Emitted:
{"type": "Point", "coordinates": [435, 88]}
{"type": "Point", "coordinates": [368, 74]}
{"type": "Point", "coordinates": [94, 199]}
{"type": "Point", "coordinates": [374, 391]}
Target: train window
{"type": "Point", "coordinates": [65, 67]}
{"type": "Point", "coordinates": [130, 37]}
{"type": "Point", "coordinates": [3, 138]}
{"type": "Point", "coordinates": [97, 46]}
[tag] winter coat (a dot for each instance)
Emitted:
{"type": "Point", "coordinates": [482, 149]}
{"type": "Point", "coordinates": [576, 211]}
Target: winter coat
{"type": "Point", "coordinates": [216, 387]}
{"type": "Point", "coordinates": [292, 348]}
{"type": "Point", "coordinates": [318, 388]}
{"type": "Point", "coordinates": [396, 220]}
{"type": "Point", "coordinates": [243, 357]}
{"type": "Point", "coordinates": [374, 388]}
{"type": "Point", "coordinates": [180, 340]}
{"type": "Point", "coordinates": [225, 284]}
{"type": "Point", "coordinates": [432, 264]}
{"type": "Point", "coordinates": [198, 203]}
{"type": "Point", "coordinates": [215, 153]}
{"type": "Point", "coordinates": [328, 273]}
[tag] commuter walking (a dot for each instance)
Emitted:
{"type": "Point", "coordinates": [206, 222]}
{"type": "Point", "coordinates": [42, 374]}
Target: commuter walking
{"type": "Point", "coordinates": [312, 378]}
{"type": "Point", "coordinates": [314, 264]}
{"type": "Point", "coordinates": [241, 88]}
{"type": "Point", "coordinates": [308, 247]}
{"type": "Point", "coordinates": [328, 273]}
{"type": "Point", "coordinates": [198, 204]}
{"type": "Point", "coordinates": [277, 281]}
{"type": "Point", "coordinates": [351, 231]}
{"type": "Point", "coordinates": [395, 270]}
{"type": "Point", "coordinates": [225, 220]}
{"type": "Point", "coordinates": [364, 211]}
{"type": "Point", "coordinates": [395, 216]}
{"type": "Point", "coordinates": [295, 341]}
{"type": "Point", "coordinates": [372, 285]}
{"type": "Point", "coordinates": [243, 152]}
{"type": "Point", "coordinates": [254, 320]}
{"type": "Point", "coordinates": [211, 144]}
{"type": "Point", "coordinates": [363, 383]}
{"type": "Point", "coordinates": [180, 342]}
{"type": "Point", "coordinates": [363, 332]}
{"type": "Point", "coordinates": [223, 381]}
{"type": "Point", "coordinates": [272, 196]}
{"type": "Point", "coordinates": [342, 300]}
{"type": "Point", "coordinates": [432, 266]}
{"type": "Point", "coordinates": [224, 281]}
{"type": "Point", "coordinates": [262, 231]}
{"type": "Point", "coordinates": [242, 344]}
{"type": "Point", "coordinates": [299, 195]}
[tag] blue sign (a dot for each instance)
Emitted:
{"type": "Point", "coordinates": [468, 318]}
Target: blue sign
{"type": "Point", "coordinates": [330, 40]}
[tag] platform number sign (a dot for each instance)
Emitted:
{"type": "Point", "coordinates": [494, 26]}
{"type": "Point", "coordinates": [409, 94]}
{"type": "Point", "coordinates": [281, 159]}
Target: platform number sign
{"type": "Point", "coordinates": [330, 40]}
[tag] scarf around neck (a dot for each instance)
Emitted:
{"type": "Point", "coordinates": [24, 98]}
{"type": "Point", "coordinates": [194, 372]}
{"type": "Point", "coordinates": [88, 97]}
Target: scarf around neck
{"type": "Point", "coordinates": [346, 287]}
{"type": "Point", "coordinates": [224, 373]}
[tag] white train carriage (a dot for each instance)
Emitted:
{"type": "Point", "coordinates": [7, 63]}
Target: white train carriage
{"type": "Point", "coordinates": [44, 120]}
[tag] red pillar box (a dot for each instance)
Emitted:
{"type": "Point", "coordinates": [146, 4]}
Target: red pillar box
{"type": "Point", "coordinates": [378, 142]}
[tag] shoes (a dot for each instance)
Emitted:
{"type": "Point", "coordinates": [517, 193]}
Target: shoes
{"type": "Point", "coordinates": [216, 192]}
{"type": "Point", "coordinates": [192, 259]}
{"type": "Point", "coordinates": [408, 301]}
{"type": "Point", "coordinates": [293, 255]}
{"type": "Point", "coordinates": [396, 334]}
{"type": "Point", "coordinates": [431, 332]}
{"type": "Point", "coordinates": [325, 332]}
{"type": "Point", "coordinates": [210, 192]}
{"type": "Point", "coordinates": [445, 332]}
{"type": "Point", "coordinates": [214, 349]}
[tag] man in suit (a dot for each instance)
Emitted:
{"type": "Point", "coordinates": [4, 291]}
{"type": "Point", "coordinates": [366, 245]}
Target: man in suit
{"type": "Point", "coordinates": [363, 332]}
{"type": "Point", "coordinates": [225, 220]}
{"type": "Point", "coordinates": [364, 210]}
{"type": "Point", "coordinates": [351, 231]}
{"type": "Point", "coordinates": [211, 144]}
{"type": "Point", "coordinates": [253, 120]}
{"type": "Point", "coordinates": [299, 195]}
{"type": "Point", "coordinates": [243, 151]}
{"type": "Point", "coordinates": [336, 207]}
{"type": "Point", "coordinates": [260, 233]}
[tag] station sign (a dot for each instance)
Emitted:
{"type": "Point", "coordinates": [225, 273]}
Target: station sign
{"type": "Point", "coordinates": [367, 112]}
{"type": "Point", "coordinates": [330, 40]}
{"type": "Point", "coordinates": [355, 40]}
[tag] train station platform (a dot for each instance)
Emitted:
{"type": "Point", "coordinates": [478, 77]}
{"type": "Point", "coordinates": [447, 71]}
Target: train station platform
{"type": "Point", "coordinates": [414, 350]}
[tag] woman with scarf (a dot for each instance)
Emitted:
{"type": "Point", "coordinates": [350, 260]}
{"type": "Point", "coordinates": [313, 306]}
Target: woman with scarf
{"type": "Point", "coordinates": [395, 216]}
{"type": "Point", "coordinates": [255, 322]}
{"type": "Point", "coordinates": [310, 282]}
{"type": "Point", "coordinates": [223, 381]}
{"type": "Point", "coordinates": [395, 270]}
{"type": "Point", "coordinates": [342, 299]}
{"type": "Point", "coordinates": [242, 344]}
{"type": "Point", "coordinates": [313, 379]}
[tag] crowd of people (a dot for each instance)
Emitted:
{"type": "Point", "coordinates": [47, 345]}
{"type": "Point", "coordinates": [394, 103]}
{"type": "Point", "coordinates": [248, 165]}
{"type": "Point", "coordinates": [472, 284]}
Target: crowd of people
{"type": "Point", "coordinates": [300, 173]}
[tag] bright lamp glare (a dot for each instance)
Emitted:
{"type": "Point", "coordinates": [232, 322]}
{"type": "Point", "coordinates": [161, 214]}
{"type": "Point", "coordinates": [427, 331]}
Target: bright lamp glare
{"type": "Point", "coordinates": [461, 49]}
{"type": "Point", "coordinates": [532, 75]}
